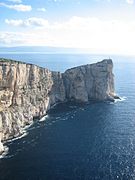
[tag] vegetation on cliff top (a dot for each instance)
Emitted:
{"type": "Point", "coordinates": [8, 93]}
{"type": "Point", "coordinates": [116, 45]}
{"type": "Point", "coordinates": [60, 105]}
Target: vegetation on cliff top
{"type": "Point", "coordinates": [11, 61]}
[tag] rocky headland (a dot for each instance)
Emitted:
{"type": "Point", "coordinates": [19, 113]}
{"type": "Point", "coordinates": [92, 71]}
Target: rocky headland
{"type": "Point", "coordinates": [28, 91]}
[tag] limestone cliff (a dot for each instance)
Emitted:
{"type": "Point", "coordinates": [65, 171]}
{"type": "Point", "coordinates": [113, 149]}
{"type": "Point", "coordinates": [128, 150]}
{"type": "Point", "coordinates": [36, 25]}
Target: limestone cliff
{"type": "Point", "coordinates": [94, 81]}
{"type": "Point", "coordinates": [28, 91]}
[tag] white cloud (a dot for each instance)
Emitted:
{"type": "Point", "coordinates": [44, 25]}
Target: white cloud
{"type": "Point", "coordinates": [22, 38]}
{"type": "Point", "coordinates": [15, 1]}
{"type": "Point", "coordinates": [37, 22]}
{"type": "Point", "coordinates": [13, 22]}
{"type": "Point", "coordinates": [17, 7]}
{"type": "Point", "coordinates": [41, 9]}
{"type": "Point", "coordinates": [10, 38]}
{"type": "Point", "coordinates": [130, 1]}
{"type": "Point", "coordinates": [99, 35]}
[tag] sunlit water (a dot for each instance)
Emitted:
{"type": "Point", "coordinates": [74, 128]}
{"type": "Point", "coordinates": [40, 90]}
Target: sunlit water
{"type": "Point", "coordinates": [78, 142]}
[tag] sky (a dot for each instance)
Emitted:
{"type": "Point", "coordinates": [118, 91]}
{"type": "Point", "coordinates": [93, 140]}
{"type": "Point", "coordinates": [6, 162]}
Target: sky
{"type": "Point", "coordinates": [106, 26]}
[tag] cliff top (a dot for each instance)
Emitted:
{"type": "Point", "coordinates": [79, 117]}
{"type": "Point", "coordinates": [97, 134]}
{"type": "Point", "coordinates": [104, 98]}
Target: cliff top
{"type": "Point", "coordinates": [103, 62]}
{"type": "Point", "coordinates": [11, 61]}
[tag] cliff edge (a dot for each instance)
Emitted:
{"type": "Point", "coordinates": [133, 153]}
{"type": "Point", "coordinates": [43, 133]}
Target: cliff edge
{"type": "Point", "coordinates": [28, 91]}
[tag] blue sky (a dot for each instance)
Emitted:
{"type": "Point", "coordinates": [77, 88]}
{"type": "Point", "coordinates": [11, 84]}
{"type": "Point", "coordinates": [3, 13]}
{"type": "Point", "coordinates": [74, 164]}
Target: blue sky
{"type": "Point", "coordinates": [101, 25]}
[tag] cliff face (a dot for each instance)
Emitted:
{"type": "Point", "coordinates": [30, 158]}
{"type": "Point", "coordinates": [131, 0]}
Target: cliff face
{"type": "Point", "coordinates": [94, 81]}
{"type": "Point", "coordinates": [28, 91]}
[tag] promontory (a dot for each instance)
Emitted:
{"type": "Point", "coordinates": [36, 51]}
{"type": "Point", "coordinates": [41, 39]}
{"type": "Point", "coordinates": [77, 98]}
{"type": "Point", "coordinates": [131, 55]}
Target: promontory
{"type": "Point", "coordinates": [28, 91]}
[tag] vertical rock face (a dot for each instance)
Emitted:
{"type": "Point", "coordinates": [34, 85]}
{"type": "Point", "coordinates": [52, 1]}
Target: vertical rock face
{"type": "Point", "coordinates": [94, 81]}
{"type": "Point", "coordinates": [28, 91]}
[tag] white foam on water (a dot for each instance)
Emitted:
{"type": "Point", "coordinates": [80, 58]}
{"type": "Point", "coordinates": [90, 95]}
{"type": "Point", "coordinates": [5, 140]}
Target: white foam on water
{"type": "Point", "coordinates": [27, 126]}
{"type": "Point", "coordinates": [9, 156]}
{"type": "Point", "coordinates": [32, 128]}
{"type": "Point", "coordinates": [19, 137]}
{"type": "Point", "coordinates": [64, 119]}
{"type": "Point", "coordinates": [3, 155]}
{"type": "Point", "coordinates": [58, 117]}
{"type": "Point", "coordinates": [53, 121]}
{"type": "Point", "coordinates": [73, 107]}
{"type": "Point", "coordinates": [121, 99]}
{"type": "Point", "coordinates": [43, 118]}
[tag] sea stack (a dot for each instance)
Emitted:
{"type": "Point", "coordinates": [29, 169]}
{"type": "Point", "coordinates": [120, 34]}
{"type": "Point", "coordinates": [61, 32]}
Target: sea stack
{"type": "Point", "coordinates": [28, 91]}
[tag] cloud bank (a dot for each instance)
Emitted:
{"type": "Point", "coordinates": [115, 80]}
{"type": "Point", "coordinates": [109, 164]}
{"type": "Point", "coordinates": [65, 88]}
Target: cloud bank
{"type": "Point", "coordinates": [99, 35]}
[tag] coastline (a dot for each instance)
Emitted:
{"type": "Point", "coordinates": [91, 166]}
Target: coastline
{"type": "Point", "coordinates": [30, 91]}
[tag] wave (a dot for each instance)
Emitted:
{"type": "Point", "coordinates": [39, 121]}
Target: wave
{"type": "Point", "coordinates": [19, 137]}
{"type": "Point", "coordinates": [27, 126]}
{"type": "Point", "coordinates": [23, 134]}
{"type": "Point", "coordinates": [73, 107]}
{"type": "Point", "coordinates": [3, 155]}
{"type": "Point", "coordinates": [43, 118]}
{"type": "Point", "coordinates": [123, 98]}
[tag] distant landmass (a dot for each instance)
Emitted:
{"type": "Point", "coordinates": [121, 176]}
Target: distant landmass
{"type": "Point", "coordinates": [45, 49]}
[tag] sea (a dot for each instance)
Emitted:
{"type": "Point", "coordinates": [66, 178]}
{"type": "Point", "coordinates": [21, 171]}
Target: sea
{"type": "Point", "coordinates": [94, 141]}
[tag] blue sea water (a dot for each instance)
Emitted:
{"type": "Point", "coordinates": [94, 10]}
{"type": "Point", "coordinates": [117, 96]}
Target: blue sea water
{"type": "Point", "coordinates": [78, 142]}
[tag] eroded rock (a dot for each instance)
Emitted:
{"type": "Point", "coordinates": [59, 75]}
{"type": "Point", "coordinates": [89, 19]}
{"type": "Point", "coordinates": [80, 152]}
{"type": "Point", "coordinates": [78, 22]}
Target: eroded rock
{"type": "Point", "coordinates": [28, 91]}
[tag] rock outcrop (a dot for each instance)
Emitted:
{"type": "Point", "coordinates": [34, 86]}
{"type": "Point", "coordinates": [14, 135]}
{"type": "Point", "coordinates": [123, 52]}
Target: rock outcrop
{"type": "Point", "coordinates": [94, 81]}
{"type": "Point", "coordinates": [28, 91]}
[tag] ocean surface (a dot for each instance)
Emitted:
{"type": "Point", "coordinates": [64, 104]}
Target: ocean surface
{"type": "Point", "coordinates": [78, 142]}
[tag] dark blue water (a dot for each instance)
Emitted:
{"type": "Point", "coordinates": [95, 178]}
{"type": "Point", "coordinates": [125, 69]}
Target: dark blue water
{"type": "Point", "coordinates": [79, 142]}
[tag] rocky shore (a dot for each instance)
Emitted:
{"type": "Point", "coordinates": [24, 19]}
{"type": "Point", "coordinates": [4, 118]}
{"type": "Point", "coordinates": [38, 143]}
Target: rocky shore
{"type": "Point", "coordinates": [28, 91]}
